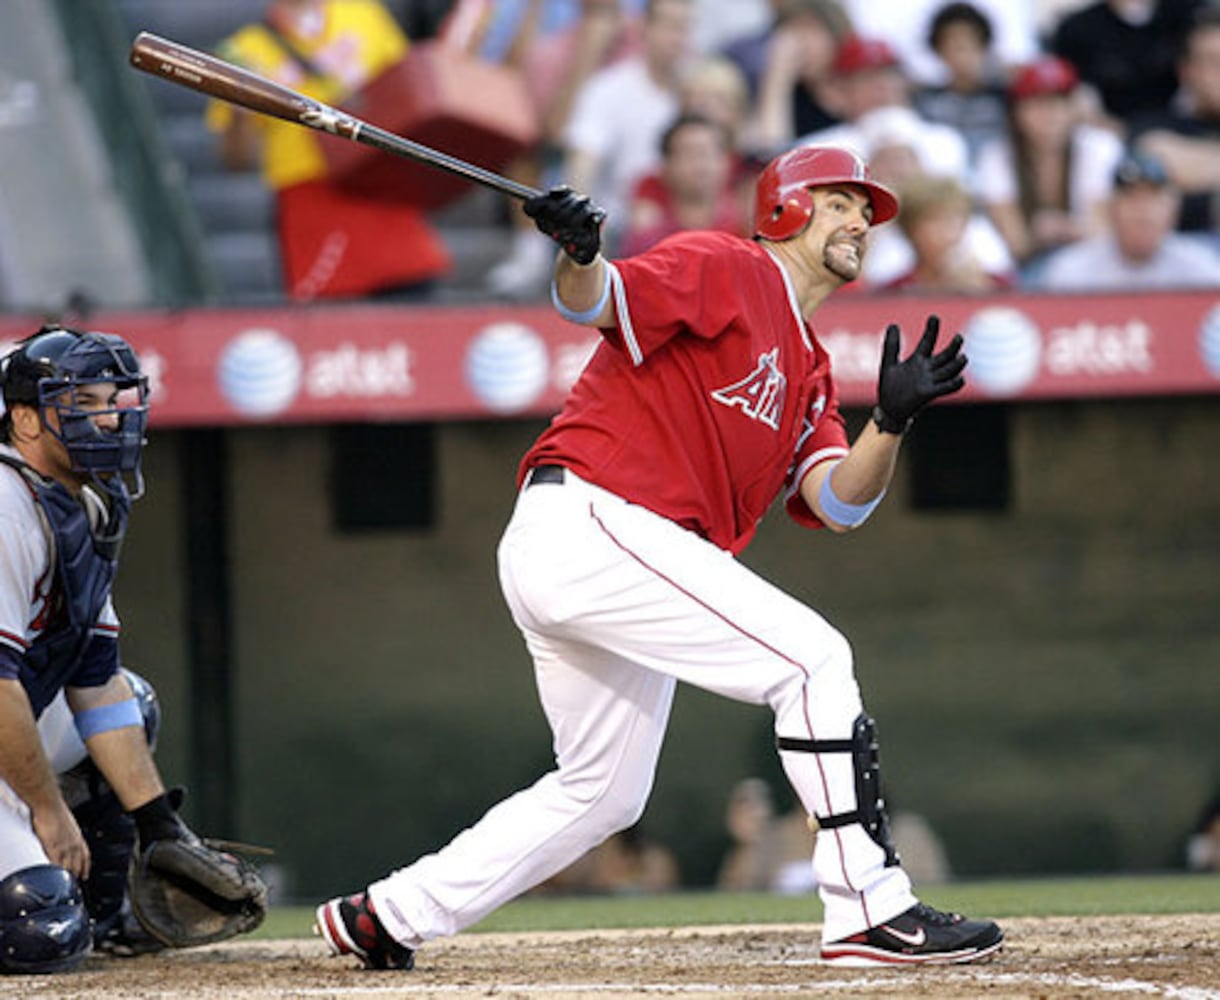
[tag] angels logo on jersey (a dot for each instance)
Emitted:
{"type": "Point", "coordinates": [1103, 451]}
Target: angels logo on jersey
{"type": "Point", "coordinates": [810, 424]}
{"type": "Point", "coordinates": [812, 419]}
{"type": "Point", "coordinates": [760, 395]}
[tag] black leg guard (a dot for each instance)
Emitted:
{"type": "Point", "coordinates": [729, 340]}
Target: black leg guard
{"type": "Point", "coordinates": [870, 801]}
{"type": "Point", "coordinates": [111, 835]}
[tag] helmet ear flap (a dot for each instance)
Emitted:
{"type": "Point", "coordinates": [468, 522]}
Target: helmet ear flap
{"type": "Point", "coordinates": [790, 215]}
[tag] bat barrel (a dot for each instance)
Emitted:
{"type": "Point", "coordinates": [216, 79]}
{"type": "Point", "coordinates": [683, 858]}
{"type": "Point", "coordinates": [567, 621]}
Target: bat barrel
{"type": "Point", "coordinates": [227, 82]}
{"type": "Point", "coordinates": [207, 74]}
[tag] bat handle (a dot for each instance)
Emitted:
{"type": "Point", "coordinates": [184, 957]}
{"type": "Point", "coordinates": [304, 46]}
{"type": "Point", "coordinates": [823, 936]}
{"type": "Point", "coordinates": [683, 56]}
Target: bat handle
{"type": "Point", "coordinates": [371, 135]}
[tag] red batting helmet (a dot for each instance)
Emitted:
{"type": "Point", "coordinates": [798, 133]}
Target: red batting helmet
{"type": "Point", "coordinates": [783, 206]}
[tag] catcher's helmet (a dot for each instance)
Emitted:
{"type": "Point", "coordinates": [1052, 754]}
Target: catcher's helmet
{"type": "Point", "coordinates": [783, 206]}
{"type": "Point", "coordinates": [43, 923]}
{"type": "Point", "coordinates": [45, 369]}
{"type": "Point", "coordinates": [150, 705]}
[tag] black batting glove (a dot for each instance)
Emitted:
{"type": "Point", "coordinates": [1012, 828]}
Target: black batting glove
{"type": "Point", "coordinates": [570, 219]}
{"type": "Point", "coordinates": [905, 387]}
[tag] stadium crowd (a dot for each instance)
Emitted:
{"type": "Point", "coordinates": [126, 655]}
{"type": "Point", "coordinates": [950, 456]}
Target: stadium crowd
{"type": "Point", "coordinates": [1021, 138]}
{"type": "Point", "coordinates": [1018, 136]}
{"type": "Point", "coordinates": [1016, 144]}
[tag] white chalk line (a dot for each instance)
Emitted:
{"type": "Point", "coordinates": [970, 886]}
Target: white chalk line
{"type": "Point", "coordinates": [409, 985]}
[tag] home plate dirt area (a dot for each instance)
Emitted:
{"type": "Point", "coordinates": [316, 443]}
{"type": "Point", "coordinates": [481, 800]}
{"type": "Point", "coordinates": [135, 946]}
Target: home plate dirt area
{"type": "Point", "coordinates": [1147, 956]}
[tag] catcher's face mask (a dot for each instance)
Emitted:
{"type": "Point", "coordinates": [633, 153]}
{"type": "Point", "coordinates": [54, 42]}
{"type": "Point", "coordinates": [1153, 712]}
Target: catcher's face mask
{"type": "Point", "coordinates": [91, 397]}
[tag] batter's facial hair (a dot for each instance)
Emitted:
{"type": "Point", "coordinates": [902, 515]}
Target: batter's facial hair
{"type": "Point", "coordinates": [832, 265]}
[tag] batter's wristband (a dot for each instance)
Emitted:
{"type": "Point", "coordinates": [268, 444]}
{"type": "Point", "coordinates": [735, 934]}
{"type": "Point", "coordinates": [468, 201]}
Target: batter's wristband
{"type": "Point", "coordinates": [589, 314]}
{"type": "Point", "coordinates": [840, 511]}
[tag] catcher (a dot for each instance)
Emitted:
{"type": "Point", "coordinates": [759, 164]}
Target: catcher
{"type": "Point", "coordinates": [93, 853]}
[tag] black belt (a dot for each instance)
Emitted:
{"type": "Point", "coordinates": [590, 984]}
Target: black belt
{"type": "Point", "coordinates": [545, 474]}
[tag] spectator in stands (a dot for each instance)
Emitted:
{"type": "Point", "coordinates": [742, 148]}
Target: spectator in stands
{"type": "Point", "coordinates": [503, 31]}
{"type": "Point", "coordinates": [769, 853]}
{"type": "Point", "coordinates": [1186, 137]}
{"type": "Point", "coordinates": [558, 45]}
{"type": "Point", "coordinates": [792, 98]}
{"type": "Point", "coordinates": [333, 242]}
{"type": "Point", "coordinates": [721, 23]}
{"type": "Point", "coordinates": [694, 188]}
{"type": "Point", "coordinates": [1048, 182]}
{"type": "Point", "coordinates": [869, 81]}
{"type": "Point", "coordinates": [921, 848]}
{"type": "Point", "coordinates": [1126, 52]}
{"type": "Point", "coordinates": [1142, 251]}
{"type": "Point", "coordinates": [934, 217]}
{"type": "Point", "coordinates": [712, 86]}
{"type": "Point", "coordinates": [631, 862]}
{"type": "Point", "coordinates": [905, 25]}
{"type": "Point", "coordinates": [891, 140]}
{"type": "Point", "coordinates": [1203, 846]}
{"type": "Point", "coordinates": [971, 99]}
{"type": "Point", "coordinates": [613, 137]}
{"type": "Point", "coordinates": [750, 51]}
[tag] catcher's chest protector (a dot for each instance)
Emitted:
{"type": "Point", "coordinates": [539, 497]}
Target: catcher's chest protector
{"type": "Point", "coordinates": [85, 564]}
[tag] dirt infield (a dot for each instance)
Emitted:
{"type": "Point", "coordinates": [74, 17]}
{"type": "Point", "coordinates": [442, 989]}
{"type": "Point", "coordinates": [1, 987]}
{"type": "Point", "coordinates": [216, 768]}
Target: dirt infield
{"type": "Point", "coordinates": [1177, 956]}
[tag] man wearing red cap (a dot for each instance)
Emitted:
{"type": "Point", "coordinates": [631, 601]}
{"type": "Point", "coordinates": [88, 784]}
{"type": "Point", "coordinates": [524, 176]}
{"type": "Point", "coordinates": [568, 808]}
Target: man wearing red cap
{"type": "Point", "coordinates": [871, 82]}
{"type": "Point", "coordinates": [708, 397]}
{"type": "Point", "coordinates": [1049, 182]}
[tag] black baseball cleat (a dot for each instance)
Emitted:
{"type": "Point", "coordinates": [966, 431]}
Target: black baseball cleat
{"type": "Point", "coordinates": [123, 936]}
{"type": "Point", "coordinates": [349, 926]}
{"type": "Point", "coordinates": [920, 936]}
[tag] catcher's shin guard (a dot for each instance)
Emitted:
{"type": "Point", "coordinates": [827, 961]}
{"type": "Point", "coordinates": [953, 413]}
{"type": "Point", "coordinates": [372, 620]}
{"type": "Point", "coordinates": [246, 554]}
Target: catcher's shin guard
{"type": "Point", "coordinates": [870, 809]}
{"type": "Point", "coordinates": [111, 835]}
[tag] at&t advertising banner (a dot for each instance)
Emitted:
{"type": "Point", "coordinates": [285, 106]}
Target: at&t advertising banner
{"type": "Point", "coordinates": [368, 363]}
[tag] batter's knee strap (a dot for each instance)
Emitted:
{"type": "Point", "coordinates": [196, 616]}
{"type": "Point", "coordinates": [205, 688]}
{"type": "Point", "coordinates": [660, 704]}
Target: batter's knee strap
{"type": "Point", "coordinates": [870, 803]}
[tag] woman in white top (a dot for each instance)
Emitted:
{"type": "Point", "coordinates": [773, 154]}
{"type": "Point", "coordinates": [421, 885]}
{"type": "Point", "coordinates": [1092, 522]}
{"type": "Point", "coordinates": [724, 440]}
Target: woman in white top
{"type": "Point", "coordinates": [1049, 182]}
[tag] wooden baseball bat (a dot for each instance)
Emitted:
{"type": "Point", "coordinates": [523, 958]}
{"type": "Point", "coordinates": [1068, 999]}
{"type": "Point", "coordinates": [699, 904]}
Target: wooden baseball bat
{"type": "Point", "coordinates": [212, 76]}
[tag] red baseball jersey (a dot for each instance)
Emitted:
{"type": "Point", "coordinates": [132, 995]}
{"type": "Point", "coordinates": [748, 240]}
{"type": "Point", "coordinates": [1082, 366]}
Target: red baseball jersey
{"type": "Point", "coordinates": [709, 397]}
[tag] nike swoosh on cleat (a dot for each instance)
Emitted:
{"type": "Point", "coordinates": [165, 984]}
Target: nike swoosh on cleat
{"type": "Point", "coordinates": [914, 940]}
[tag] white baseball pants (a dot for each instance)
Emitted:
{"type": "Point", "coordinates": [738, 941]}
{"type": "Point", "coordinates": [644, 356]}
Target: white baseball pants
{"type": "Point", "coordinates": [19, 846]}
{"type": "Point", "coordinates": [616, 605]}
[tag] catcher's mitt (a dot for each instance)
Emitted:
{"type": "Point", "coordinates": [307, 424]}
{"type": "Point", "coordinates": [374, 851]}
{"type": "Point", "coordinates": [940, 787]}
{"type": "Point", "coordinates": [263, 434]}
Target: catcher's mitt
{"type": "Point", "coordinates": [185, 892]}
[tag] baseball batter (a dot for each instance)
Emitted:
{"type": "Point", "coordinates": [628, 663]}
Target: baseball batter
{"type": "Point", "coordinates": [709, 397]}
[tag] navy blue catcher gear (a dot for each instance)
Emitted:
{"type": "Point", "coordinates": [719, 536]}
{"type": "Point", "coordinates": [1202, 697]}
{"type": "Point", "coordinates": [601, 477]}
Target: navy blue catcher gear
{"type": "Point", "coordinates": [86, 559]}
{"type": "Point", "coordinates": [47, 370]}
{"type": "Point", "coordinates": [43, 923]}
{"type": "Point", "coordinates": [150, 705]}
{"type": "Point", "coordinates": [111, 835]}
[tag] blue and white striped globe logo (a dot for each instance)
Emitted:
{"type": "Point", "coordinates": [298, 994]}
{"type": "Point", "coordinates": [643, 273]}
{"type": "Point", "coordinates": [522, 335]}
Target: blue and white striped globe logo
{"type": "Point", "coordinates": [260, 372]}
{"type": "Point", "coordinates": [507, 366]}
{"type": "Point", "coordinates": [1005, 350]}
{"type": "Point", "coordinates": [1209, 341]}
